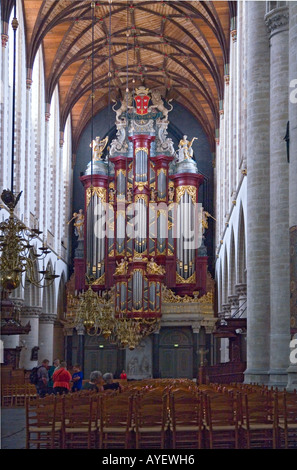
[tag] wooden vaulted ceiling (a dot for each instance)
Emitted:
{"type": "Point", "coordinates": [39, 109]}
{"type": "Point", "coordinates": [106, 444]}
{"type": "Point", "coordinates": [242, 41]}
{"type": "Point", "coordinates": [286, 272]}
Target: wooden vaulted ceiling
{"type": "Point", "coordinates": [179, 47]}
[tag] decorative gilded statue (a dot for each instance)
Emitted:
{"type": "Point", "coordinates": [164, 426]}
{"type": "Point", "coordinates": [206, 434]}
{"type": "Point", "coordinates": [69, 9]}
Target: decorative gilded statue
{"type": "Point", "coordinates": [111, 193]}
{"type": "Point", "coordinates": [171, 193]}
{"type": "Point", "coordinates": [78, 224]}
{"type": "Point", "coordinates": [129, 195]}
{"type": "Point", "coordinates": [98, 146]}
{"type": "Point", "coordinates": [122, 267]}
{"type": "Point", "coordinates": [153, 194]}
{"type": "Point", "coordinates": [154, 268]}
{"type": "Point", "coordinates": [185, 151]}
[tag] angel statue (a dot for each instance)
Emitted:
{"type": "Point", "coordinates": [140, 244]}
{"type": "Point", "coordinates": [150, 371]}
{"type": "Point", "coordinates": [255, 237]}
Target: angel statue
{"type": "Point", "coordinates": [78, 224]}
{"type": "Point", "coordinates": [98, 146]}
{"type": "Point", "coordinates": [185, 150]}
{"type": "Point", "coordinates": [122, 267]}
{"type": "Point", "coordinates": [154, 268]}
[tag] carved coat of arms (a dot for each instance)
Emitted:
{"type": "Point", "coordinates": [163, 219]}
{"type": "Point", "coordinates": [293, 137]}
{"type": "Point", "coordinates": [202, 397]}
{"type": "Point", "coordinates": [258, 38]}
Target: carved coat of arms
{"type": "Point", "coordinates": [142, 100]}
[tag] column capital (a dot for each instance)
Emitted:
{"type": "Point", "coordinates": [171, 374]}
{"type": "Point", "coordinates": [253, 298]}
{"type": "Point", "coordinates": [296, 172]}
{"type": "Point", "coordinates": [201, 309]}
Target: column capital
{"type": "Point", "coordinates": [47, 318]}
{"type": "Point", "coordinates": [226, 310]}
{"type": "Point", "coordinates": [277, 20]}
{"type": "Point", "coordinates": [233, 300]}
{"type": "Point", "coordinates": [241, 290]}
{"type": "Point", "coordinates": [196, 327]}
{"type": "Point", "coordinates": [80, 330]}
{"type": "Point", "coordinates": [30, 312]}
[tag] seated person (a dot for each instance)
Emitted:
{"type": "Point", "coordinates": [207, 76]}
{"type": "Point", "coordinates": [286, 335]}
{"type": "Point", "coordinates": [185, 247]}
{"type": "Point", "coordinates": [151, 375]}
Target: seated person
{"type": "Point", "coordinates": [109, 384]}
{"type": "Point", "coordinates": [95, 382]}
{"type": "Point", "coordinates": [77, 378]}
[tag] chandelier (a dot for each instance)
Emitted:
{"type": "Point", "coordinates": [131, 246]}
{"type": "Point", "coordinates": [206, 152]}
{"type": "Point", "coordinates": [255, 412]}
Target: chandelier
{"type": "Point", "coordinates": [17, 251]}
{"type": "Point", "coordinates": [97, 315]}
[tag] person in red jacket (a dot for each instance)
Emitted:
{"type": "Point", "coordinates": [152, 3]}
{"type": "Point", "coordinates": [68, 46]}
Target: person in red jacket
{"type": "Point", "coordinates": [61, 379]}
{"type": "Point", "coordinates": [123, 375]}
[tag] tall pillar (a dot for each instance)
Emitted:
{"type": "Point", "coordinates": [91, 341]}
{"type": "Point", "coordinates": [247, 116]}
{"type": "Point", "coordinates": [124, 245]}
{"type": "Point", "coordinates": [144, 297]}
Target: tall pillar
{"type": "Point", "coordinates": [277, 22]}
{"type": "Point", "coordinates": [293, 160]}
{"type": "Point", "coordinates": [258, 295]}
{"type": "Point", "coordinates": [46, 336]}
{"type": "Point", "coordinates": [292, 371]}
{"type": "Point", "coordinates": [30, 340]}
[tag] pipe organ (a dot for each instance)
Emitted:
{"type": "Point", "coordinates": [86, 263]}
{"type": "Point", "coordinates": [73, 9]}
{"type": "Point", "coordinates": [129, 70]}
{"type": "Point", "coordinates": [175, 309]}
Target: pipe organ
{"type": "Point", "coordinates": [143, 217]}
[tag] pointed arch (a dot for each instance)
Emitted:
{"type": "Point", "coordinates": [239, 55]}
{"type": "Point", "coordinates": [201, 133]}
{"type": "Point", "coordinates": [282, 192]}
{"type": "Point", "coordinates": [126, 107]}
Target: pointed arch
{"type": "Point", "coordinates": [48, 300]}
{"type": "Point", "coordinates": [32, 292]}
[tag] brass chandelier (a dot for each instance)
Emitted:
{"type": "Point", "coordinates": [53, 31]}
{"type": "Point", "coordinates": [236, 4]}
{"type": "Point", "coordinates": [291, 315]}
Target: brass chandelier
{"type": "Point", "coordinates": [17, 251]}
{"type": "Point", "coordinates": [96, 315]}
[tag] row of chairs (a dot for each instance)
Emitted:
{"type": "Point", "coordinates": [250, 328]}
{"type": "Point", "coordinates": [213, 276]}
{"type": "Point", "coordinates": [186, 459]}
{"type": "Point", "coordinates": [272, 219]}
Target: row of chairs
{"type": "Point", "coordinates": [15, 395]}
{"type": "Point", "coordinates": [164, 416]}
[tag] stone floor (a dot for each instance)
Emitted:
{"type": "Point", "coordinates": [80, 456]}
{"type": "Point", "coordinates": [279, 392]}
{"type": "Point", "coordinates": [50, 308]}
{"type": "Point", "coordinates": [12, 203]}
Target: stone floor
{"type": "Point", "coordinates": [13, 428]}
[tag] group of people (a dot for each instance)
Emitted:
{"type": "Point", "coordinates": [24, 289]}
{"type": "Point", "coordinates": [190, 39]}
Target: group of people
{"type": "Point", "coordinates": [58, 380]}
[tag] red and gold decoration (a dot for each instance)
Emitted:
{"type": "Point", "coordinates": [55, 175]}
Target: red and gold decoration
{"type": "Point", "coordinates": [141, 212]}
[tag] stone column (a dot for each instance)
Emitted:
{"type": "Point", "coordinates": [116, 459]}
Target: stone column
{"type": "Point", "coordinates": [30, 340]}
{"type": "Point", "coordinates": [292, 371]}
{"type": "Point", "coordinates": [258, 239]}
{"type": "Point", "coordinates": [277, 22]}
{"type": "Point", "coordinates": [80, 347]}
{"type": "Point", "coordinates": [46, 336]}
{"type": "Point", "coordinates": [293, 159]}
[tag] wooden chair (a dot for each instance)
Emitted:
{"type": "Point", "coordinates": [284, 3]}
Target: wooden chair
{"type": "Point", "coordinates": [7, 395]}
{"type": "Point", "coordinates": [221, 426]}
{"type": "Point", "coordinates": [79, 421]}
{"type": "Point", "coordinates": [151, 419]}
{"type": "Point", "coordinates": [258, 421]}
{"type": "Point", "coordinates": [186, 424]}
{"type": "Point", "coordinates": [42, 429]}
{"type": "Point", "coordinates": [287, 419]}
{"type": "Point", "coordinates": [115, 421]}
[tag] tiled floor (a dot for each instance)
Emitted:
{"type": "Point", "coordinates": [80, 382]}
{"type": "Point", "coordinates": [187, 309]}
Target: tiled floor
{"type": "Point", "coordinates": [13, 428]}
